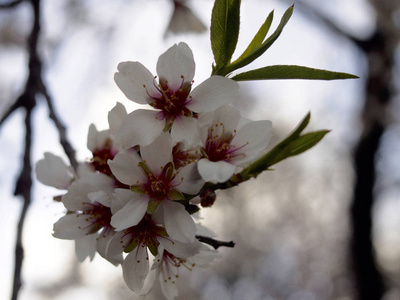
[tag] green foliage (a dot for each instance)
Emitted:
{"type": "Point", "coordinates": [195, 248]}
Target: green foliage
{"type": "Point", "coordinates": [220, 38]}
{"type": "Point", "coordinates": [290, 72]}
{"type": "Point", "coordinates": [294, 144]}
{"type": "Point", "coordinates": [259, 37]}
{"type": "Point", "coordinates": [225, 20]}
{"type": "Point", "coordinates": [225, 23]}
{"type": "Point", "coordinates": [262, 47]}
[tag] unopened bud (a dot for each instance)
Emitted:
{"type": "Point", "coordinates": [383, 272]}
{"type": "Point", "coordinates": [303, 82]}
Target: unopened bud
{"type": "Point", "coordinates": [207, 198]}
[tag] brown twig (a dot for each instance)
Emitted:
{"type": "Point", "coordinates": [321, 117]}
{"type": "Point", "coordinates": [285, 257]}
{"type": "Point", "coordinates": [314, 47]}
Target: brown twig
{"type": "Point", "coordinates": [214, 243]}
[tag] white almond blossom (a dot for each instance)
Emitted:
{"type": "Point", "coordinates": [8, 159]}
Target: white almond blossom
{"type": "Point", "coordinates": [148, 234]}
{"type": "Point", "coordinates": [167, 267]}
{"type": "Point", "coordinates": [88, 216]}
{"type": "Point", "coordinates": [229, 141]}
{"type": "Point", "coordinates": [53, 171]}
{"type": "Point", "coordinates": [85, 218]}
{"type": "Point", "coordinates": [155, 184]}
{"type": "Point", "coordinates": [175, 104]}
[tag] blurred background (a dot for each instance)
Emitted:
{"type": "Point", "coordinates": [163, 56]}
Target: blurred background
{"type": "Point", "coordinates": [324, 225]}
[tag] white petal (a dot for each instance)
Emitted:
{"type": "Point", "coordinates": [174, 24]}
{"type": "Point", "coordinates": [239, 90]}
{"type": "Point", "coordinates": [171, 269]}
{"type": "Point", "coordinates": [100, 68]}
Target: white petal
{"type": "Point", "coordinates": [192, 182]}
{"type": "Point", "coordinates": [115, 117]}
{"type": "Point", "coordinates": [115, 246]}
{"type": "Point", "coordinates": [169, 286]}
{"type": "Point", "coordinates": [204, 231]}
{"type": "Point", "coordinates": [226, 114]}
{"type": "Point", "coordinates": [97, 139]}
{"type": "Point", "coordinates": [125, 168]}
{"type": "Point", "coordinates": [158, 153]}
{"type": "Point", "coordinates": [98, 181]}
{"type": "Point", "coordinates": [257, 135]}
{"type": "Point", "coordinates": [70, 227]}
{"type": "Point", "coordinates": [178, 223]}
{"type": "Point", "coordinates": [53, 171]}
{"type": "Point", "coordinates": [102, 246]}
{"type": "Point", "coordinates": [185, 130]}
{"type": "Point", "coordinates": [76, 198]}
{"type": "Point", "coordinates": [177, 61]}
{"type": "Point", "coordinates": [122, 197]}
{"type": "Point", "coordinates": [179, 249]}
{"type": "Point", "coordinates": [212, 93]}
{"type": "Point", "coordinates": [140, 127]}
{"type": "Point", "coordinates": [101, 197]}
{"type": "Point", "coordinates": [84, 169]}
{"type": "Point", "coordinates": [135, 268]}
{"type": "Point", "coordinates": [130, 215]}
{"type": "Point", "coordinates": [86, 247]}
{"type": "Point", "coordinates": [218, 171]}
{"type": "Point", "coordinates": [136, 82]}
{"type": "Point", "coordinates": [205, 257]}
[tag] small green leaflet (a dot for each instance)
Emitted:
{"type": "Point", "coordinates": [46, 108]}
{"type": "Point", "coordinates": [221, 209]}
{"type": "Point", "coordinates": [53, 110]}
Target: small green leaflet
{"type": "Point", "coordinates": [259, 37]}
{"type": "Point", "coordinates": [291, 72]}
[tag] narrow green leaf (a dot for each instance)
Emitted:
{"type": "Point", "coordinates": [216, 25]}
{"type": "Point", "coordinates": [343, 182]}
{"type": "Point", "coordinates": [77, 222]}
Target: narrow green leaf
{"type": "Point", "coordinates": [258, 51]}
{"type": "Point", "coordinates": [291, 72]}
{"type": "Point", "coordinates": [294, 144]}
{"type": "Point", "coordinates": [225, 21]}
{"type": "Point", "coordinates": [259, 37]}
{"type": "Point", "coordinates": [305, 142]}
{"type": "Point", "coordinates": [299, 129]}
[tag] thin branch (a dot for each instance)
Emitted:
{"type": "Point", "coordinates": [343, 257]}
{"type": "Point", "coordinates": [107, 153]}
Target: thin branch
{"type": "Point", "coordinates": [68, 149]}
{"type": "Point", "coordinates": [214, 243]}
{"type": "Point", "coordinates": [23, 188]}
{"type": "Point", "coordinates": [33, 87]}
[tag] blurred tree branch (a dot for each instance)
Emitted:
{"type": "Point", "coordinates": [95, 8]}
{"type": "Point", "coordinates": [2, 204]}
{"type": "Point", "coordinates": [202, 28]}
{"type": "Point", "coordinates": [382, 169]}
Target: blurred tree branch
{"type": "Point", "coordinates": [34, 87]}
{"type": "Point", "coordinates": [379, 50]}
{"type": "Point", "coordinates": [10, 4]}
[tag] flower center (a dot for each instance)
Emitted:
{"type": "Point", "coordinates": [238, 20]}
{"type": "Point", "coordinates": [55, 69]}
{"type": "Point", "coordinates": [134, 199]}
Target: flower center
{"type": "Point", "coordinates": [98, 217]}
{"type": "Point", "coordinates": [182, 157]}
{"type": "Point", "coordinates": [219, 144]}
{"type": "Point", "coordinates": [158, 187]}
{"type": "Point", "coordinates": [99, 162]}
{"type": "Point", "coordinates": [172, 103]}
{"type": "Point", "coordinates": [145, 234]}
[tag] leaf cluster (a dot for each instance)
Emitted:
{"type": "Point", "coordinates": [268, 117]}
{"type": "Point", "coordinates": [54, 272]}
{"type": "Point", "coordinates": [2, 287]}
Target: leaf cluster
{"type": "Point", "coordinates": [225, 23]}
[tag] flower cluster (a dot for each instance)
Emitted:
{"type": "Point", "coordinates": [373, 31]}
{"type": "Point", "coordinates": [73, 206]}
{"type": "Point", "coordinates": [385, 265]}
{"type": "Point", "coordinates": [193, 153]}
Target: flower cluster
{"type": "Point", "coordinates": [130, 201]}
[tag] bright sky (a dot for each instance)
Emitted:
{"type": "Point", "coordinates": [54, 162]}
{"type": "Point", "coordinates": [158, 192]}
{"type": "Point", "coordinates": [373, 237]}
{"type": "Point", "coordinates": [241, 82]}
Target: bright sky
{"type": "Point", "coordinates": [80, 67]}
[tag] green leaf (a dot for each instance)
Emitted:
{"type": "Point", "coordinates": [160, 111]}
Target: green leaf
{"type": "Point", "coordinates": [259, 37]}
{"type": "Point", "coordinates": [291, 72]}
{"type": "Point", "coordinates": [293, 145]}
{"type": "Point", "coordinates": [305, 142]}
{"type": "Point", "coordinates": [225, 21]}
{"type": "Point", "coordinates": [258, 51]}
